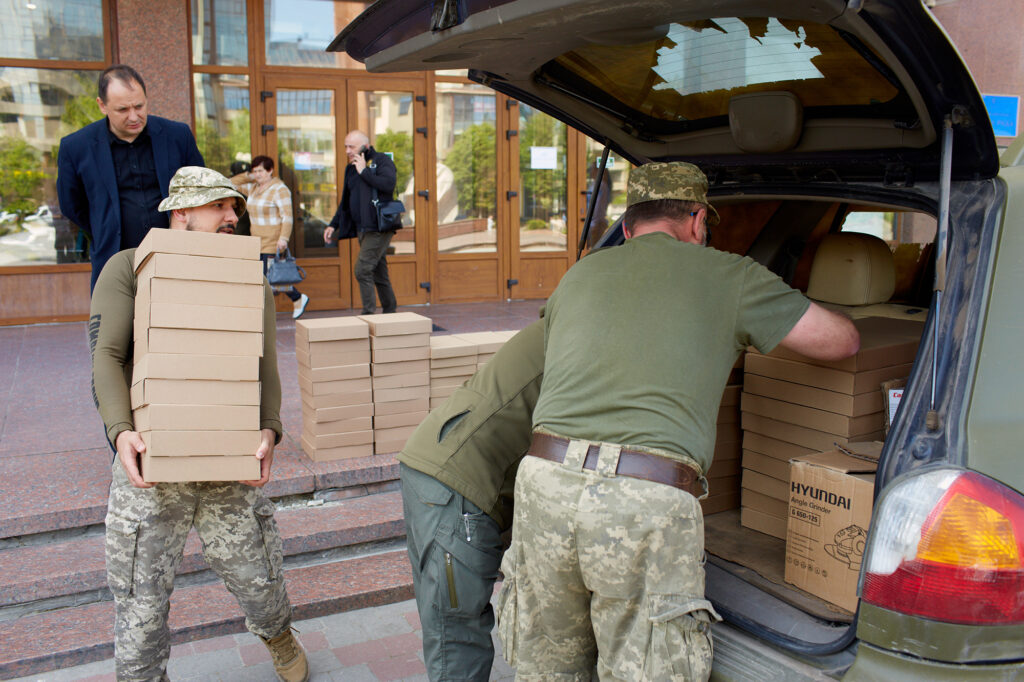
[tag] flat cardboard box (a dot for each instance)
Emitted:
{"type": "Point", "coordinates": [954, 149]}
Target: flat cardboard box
{"type": "Point", "coordinates": [388, 421]}
{"type": "Point", "coordinates": [727, 450]}
{"type": "Point", "coordinates": [317, 402]}
{"type": "Point", "coordinates": [829, 515]}
{"type": "Point", "coordinates": [464, 371]}
{"type": "Point", "coordinates": [335, 372]}
{"type": "Point", "coordinates": [766, 485]}
{"type": "Point", "coordinates": [194, 392]}
{"type": "Point", "coordinates": [321, 348]}
{"type": "Point", "coordinates": [401, 380]}
{"type": "Point", "coordinates": [765, 504]}
{"type": "Point", "coordinates": [400, 406]}
{"type": "Point", "coordinates": [728, 414]}
{"type": "Point", "coordinates": [442, 391]}
{"type": "Point", "coordinates": [820, 420]}
{"type": "Point", "coordinates": [393, 433]}
{"type": "Point", "coordinates": [198, 469]}
{"type": "Point", "coordinates": [779, 449]}
{"type": "Point", "coordinates": [451, 346]}
{"type": "Point", "coordinates": [189, 316]}
{"type": "Point", "coordinates": [201, 443]}
{"type": "Point", "coordinates": [719, 502]}
{"type": "Point", "coordinates": [389, 395]}
{"type": "Point", "coordinates": [405, 367]}
{"type": "Point", "coordinates": [187, 242]}
{"type": "Point", "coordinates": [394, 324]}
{"type": "Point", "coordinates": [331, 329]}
{"type": "Point", "coordinates": [821, 399]}
{"type": "Point", "coordinates": [196, 342]}
{"type": "Point", "coordinates": [765, 523]}
{"type": "Point", "coordinates": [727, 433]}
{"type": "Point", "coordinates": [723, 484]}
{"type": "Point", "coordinates": [164, 290]}
{"type": "Point", "coordinates": [399, 341]}
{"type": "Point", "coordinates": [448, 382]}
{"type": "Point", "coordinates": [160, 417]}
{"type": "Point", "coordinates": [389, 446]}
{"type": "Point", "coordinates": [329, 387]}
{"type": "Point", "coordinates": [884, 341]}
{"type": "Point", "coordinates": [213, 367]}
{"type": "Point", "coordinates": [332, 454]}
{"type": "Point", "coordinates": [331, 414]}
{"type": "Point", "coordinates": [849, 383]}
{"type": "Point", "coordinates": [487, 343]}
{"type": "Point", "coordinates": [724, 467]}
{"type": "Point", "coordinates": [799, 435]}
{"type": "Point", "coordinates": [763, 464]}
{"type": "Point", "coordinates": [731, 395]}
{"type": "Point", "coordinates": [401, 354]}
{"type": "Point", "coordinates": [457, 361]}
{"type": "Point", "coordinates": [314, 428]}
{"type": "Point", "coordinates": [202, 268]}
{"type": "Point", "coordinates": [437, 402]}
{"type": "Point", "coordinates": [321, 360]}
{"type": "Point", "coordinates": [338, 440]}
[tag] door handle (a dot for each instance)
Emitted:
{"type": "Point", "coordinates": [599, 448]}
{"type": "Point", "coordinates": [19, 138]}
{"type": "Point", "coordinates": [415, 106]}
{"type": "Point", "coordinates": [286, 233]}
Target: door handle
{"type": "Point", "coordinates": [266, 128]}
{"type": "Point", "coordinates": [511, 193]}
{"type": "Point", "coordinates": [425, 193]}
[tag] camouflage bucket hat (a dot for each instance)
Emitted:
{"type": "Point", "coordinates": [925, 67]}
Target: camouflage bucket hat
{"type": "Point", "coordinates": [194, 186]}
{"type": "Point", "coordinates": [676, 180]}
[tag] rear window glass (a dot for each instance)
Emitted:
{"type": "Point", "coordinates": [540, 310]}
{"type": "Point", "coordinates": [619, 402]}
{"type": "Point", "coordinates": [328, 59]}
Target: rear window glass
{"type": "Point", "coordinates": [689, 71]}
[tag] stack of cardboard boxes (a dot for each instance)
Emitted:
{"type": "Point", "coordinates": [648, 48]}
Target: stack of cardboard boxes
{"type": "Point", "coordinates": [453, 360]}
{"type": "Point", "coordinates": [400, 371]}
{"type": "Point", "coordinates": [333, 355]}
{"type": "Point", "coordinates": [198, 334]}
{"type": "Point", "coordinates": [724, 474]}
{"type": "Point", "coordinates": [487, 344]}
{"type": "Point", "coordinates": [793, 406]}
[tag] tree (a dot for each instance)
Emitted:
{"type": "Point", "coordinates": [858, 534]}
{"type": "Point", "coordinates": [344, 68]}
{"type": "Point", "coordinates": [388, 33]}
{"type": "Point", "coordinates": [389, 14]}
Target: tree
{"type": "Point", "coordinates": [21, 181]}
{"type": "Point", "coordinates": [400, 146]}
{"type": "Point", "coordinates": [473, 163]}
{"type": "Point", "coordinates": [543, 189]}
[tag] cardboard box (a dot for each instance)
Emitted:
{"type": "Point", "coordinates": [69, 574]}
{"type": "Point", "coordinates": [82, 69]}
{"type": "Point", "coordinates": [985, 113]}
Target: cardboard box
{"type": "Point", "coordinates": [458, 361]}
{"type": "Point", "coordinates": [406, 367]}
{"type": "Point", "coordinates": [731, 395]}
{"type": "Point", "coordinates": [213, 367]}
{"type": "Point", "coordinates": [820, 420]}
{"type": "Point", "coordinates": [394, 324]}
{"type": "Point", "coordinates": [400, 406]}
{"type": "Point", "coordinates": [317, 402]}
{"type": "Point", "coordinates": [163, 290]}
{"type": "Point", "coordinates": [331, 414]}
{"type": "Point", "coordinates": [159, 417]}
{"type": "Point", "coordinates": [727, 433]}
{"type": "Point", "coordinates": [315, 428]}
{"type": "Point", "coordinates": [342, 347]}
{"type": "Point", "coordinates": [188, 316]}
{"type": "Point", "coordinates": [818, 398]}
{"type": "Point", "coordinates": [186, 469]}
{"type": "Point", "coordinates": [727, 450]}
{"type": "Point", "coordinates": [399, 341]}
{"type": "Point", "coordinates": [769, 466]}
{"type": "Point", "coordinates": [850, 383]}
{"type": "Point", "coordinates": [329, 387]}
{"type": "Point", "coordinates": [393, 433]}
{"type": "Point", "coordinates": [191, 243]}
{"type": "Point", "coordinates": [766, 485]}
{"type": "Point", "coordinates": [884, 341]}
{"type": "Point", "coordinates": [436, 402]}
{"type": "Point", "coordinates": [487, 343]}
{"type": "Point", "coordinates": [401, 354]}
{"type": "Point", "coordinates": [343, 452]}
{"type": "Point", "coordinates": [464, 371]}
{"type": "Point", "coordinates": [321, 360]}
{"type": "Point", "coordinates": [200, 443]}
{"type": "Point", "coordinates": [764, 523]}
{"type": "Point", "coordinates": [765, 504]}
{"type": "Point", "coordinates": [792, 433]}
{"type": "Point", "coordinates": [337, 440]}
{"type": "Point", "coordinates": [779, 449]}
{"type": "Point", "coordinates": [829, 515]}
{"type": "Point", "coordinates": [448, 382]}
{"type": "Point", "coordinates": [387, 395]}
{"type": "Point", "coordinates": [194, 392]}
{"type": "Point", "coordinates": [401, 380]}
{"type": "Point", "coordinates": [449, 347]}
{"type": "Point", "coordinates": [196, 342]}
{"type": "Point", "coordinates": [334, 372]}
{"type": "Point", "coordinates": [719, 502]}
{"type": "Point", "coordinates": [724, 467]}
{"type": "Point", "coordinates": [442, 391]}
{"type": "Point", "coordinates": [331, 329]}
{"type": "Point", "coordinates": [388, 421]}
{"type": "Point", "coordinates": [723, 484]}
{"type": "Point", "coordinates": [389, 447]}
{"type": "Point", "coordinates": [202, 268]}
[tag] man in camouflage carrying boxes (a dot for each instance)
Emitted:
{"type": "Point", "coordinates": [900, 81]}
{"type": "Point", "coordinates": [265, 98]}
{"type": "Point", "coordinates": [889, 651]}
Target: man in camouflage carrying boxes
{"type": "Point", "coordinates": [147, 523]}
{"type": "Point", "coordinates": [606, 563]}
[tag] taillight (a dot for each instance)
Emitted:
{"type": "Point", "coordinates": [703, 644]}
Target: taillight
{"type": "Point", "coordinates": [949, 545]}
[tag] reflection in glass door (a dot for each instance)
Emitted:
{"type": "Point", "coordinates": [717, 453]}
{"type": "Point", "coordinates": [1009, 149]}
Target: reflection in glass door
{"type": "Point", "coordinates": [611, 196]}
{"type": "Point", "coordinates": [307, 159]}
{"type": "Point", "coordinates": [542, 181]}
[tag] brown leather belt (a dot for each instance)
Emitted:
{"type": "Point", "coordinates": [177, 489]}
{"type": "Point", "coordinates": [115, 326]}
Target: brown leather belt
{"type": "Point", "coordinates": [632, 463]}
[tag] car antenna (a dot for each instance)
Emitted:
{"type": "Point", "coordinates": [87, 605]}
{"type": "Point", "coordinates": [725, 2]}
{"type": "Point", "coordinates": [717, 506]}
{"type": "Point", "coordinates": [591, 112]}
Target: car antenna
{"type": "Point", "coordinates": [592, 203]}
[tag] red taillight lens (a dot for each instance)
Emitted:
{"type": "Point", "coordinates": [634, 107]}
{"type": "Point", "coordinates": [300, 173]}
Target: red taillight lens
{"type": "Point", "coordinates": [949, 545]}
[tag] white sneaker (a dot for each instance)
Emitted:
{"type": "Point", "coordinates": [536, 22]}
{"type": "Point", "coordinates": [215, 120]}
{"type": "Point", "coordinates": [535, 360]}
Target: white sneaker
{"type": "Point", "coordinates": [300, 307]}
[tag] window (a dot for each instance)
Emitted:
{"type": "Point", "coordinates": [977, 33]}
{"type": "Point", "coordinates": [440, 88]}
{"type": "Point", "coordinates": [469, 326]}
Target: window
{"type": "Point", "coordinates": [220, 33]}
{"type": "Point", "coordinates": [297, 32]}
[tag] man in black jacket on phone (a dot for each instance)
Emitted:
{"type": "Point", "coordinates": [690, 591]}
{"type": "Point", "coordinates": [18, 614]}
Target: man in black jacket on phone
{"type": "Point", "coordinates": [367, 170]}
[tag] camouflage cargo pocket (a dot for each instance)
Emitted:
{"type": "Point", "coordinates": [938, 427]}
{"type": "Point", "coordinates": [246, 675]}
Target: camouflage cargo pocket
{"type": "Point", "coordinates": [680, 646]}
{"type": "Point", "coordinates": [508, 611]}
{"type": "Point", "coordinates": [121, 544]}
{"type": "Point", "coordinates": [264, 512]}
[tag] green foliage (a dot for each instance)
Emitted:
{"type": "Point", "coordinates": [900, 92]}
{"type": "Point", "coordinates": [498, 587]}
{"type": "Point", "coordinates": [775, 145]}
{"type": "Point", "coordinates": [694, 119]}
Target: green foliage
{"type": "Point", "coordinates": [400, 145]}
{"type": "Point", "coordinates": [473, 164]}
{"type": "Point", "coordinates": [80, 110]}
{"type": "Point", "coordinates": [218, 150]}
{"type": "Point", "coordinates": [535, 224]}
{"type": "Point", "coordinates": [21, 179]}
{"type": "Point", "coordinates": [543, 189]}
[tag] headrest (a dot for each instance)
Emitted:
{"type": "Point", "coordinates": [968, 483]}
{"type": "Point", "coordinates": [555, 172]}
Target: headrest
{"type": "Point", "coordinates": [852, 269]}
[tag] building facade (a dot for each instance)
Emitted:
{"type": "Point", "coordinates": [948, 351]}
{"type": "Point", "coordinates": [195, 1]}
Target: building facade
{"type": "Point", "coordinates": [496, 192]}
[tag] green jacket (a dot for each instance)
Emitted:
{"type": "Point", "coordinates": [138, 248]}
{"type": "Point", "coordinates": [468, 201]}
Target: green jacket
{"type": "Point", "coordinates": [473, 442]}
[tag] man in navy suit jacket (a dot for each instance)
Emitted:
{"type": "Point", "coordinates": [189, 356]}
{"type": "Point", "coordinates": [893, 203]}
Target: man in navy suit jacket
{"type": "Point", "coordinates": [112, 174]}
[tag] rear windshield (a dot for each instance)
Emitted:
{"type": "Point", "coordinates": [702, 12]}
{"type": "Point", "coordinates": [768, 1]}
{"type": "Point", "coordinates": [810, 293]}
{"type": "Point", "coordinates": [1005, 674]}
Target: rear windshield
{"type": "Point", "coordinates": [687, 72]}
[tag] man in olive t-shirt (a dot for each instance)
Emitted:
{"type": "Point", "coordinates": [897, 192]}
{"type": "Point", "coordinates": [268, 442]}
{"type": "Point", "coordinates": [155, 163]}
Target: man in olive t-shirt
{"type": "Point", "coordinates": [606, 562]}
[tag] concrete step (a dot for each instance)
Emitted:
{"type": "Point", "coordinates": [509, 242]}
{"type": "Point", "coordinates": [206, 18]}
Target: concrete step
{"type": "Point", "coordinates": [72, 636]}
{"type": "Point", "coordinates": [59, 574]}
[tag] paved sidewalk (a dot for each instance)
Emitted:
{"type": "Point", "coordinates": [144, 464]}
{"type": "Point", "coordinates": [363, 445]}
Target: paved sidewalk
{"type": "Point", "coordinates": [370, 645]}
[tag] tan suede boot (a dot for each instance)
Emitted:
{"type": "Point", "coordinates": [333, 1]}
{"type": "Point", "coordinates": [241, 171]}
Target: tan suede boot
{"type": "Point", "coordinates": [289, 658]}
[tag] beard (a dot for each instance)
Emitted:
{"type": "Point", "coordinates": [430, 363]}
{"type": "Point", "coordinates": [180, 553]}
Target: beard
{"type": "Point", "coordinates": [225, 228]}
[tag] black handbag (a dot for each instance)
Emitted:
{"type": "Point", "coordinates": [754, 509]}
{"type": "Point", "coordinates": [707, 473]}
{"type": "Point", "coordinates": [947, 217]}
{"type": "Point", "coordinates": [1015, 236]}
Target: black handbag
{"type": "Point", "coordinates": [284, 270]}
{"type": "Point", "coordinates": [389, 213]}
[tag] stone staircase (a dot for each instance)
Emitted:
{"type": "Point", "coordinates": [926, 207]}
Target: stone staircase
{"type": "Point", "coordinates": [344, 545]}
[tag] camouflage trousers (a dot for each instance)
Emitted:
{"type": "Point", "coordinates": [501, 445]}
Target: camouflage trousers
{"type": "Point", "coordinates": [145, 541]}
{"type": "Point", "coordinates": [454, 549]}
{"type": "Point", "coordinates": [603, 571]}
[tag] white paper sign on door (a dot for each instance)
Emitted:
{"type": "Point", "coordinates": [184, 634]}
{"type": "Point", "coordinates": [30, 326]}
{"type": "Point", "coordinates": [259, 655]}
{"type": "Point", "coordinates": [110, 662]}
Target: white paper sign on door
{"type": "Point", "coordinates": [543, 158]}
